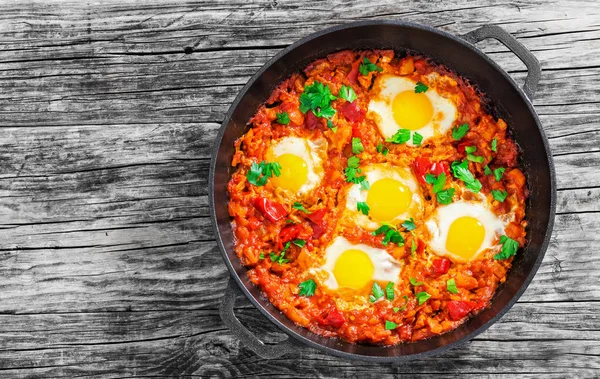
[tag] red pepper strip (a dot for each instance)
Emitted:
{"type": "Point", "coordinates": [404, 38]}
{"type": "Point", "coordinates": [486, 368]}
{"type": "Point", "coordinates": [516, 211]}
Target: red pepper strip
{"type": "Point", "coordinates": [437, 168]}
{"type": "Point", "coordinates": [316, 216]}
{"type": "Point", "coordinates": [423, 166]}
{"type": "Point", "coordinates": [272, 210]}
{"type": "Point", "coordinates": [461, 146]}
{"type": "Point", "coordinates": [334, 318]}
{"type": "Point", "coordinates": [352, 112]}
{"type": "Point", "coordinates": [356, 132]}
{"type": "Point", "coordinates": [459, 309]}
{"type": "Point", "coordinates": [316, 221]}
{"type": "Point", "coordinates": [287, 234]}
{"type": "Point", "coordinates": [353, 74]}
{"type": "Point", "coordinates": [311, 121]}
{"type": "Point", "coordinates": [440, 266]}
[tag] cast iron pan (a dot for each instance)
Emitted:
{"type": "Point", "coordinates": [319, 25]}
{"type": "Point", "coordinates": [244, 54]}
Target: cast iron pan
{"type": "Point", "coordinates": [458, 53]}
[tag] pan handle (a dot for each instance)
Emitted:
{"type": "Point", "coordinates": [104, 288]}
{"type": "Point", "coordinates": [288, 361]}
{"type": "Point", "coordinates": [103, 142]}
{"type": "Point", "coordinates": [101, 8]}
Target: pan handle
{"type": "Point", "coordinates": [534, 69]}
{"type": "Point", "coordinates": [246, 336]}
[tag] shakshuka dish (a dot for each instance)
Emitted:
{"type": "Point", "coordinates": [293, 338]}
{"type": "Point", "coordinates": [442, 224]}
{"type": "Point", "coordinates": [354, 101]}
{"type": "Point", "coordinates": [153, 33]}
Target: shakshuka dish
{"type": "Point", "coordinates": [376, 199]}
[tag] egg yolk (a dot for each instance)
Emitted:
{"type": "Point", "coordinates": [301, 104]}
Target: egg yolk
{"type": "Point", "coordinates": [353, 269]}
{"type": "Point", "coordinates": [388, 199]}
{"type": "Point", "coordinates": [412, 110]}
{"type": "Point", "coordinates": [294, 172]}
{"type": "Point", "coordinates": [465, 237]}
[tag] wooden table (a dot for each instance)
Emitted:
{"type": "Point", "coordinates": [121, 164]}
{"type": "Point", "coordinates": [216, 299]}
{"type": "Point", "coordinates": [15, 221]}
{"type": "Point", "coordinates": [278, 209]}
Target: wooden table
{"type": "Point", "coordinates": [108, 264]}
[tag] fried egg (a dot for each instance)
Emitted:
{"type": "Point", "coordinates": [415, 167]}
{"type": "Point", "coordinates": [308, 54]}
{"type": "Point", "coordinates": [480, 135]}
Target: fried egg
{"type": "Point", "coordinates": [394, 196]}
{"type": "Point", "coordinates": [396, 105]}
{"type": "Point", "coordinates": [463, 230]}
{"type": "Point", "coordinates": [355, 267]}
{"type": "Point", "coordinates": [301, 163]}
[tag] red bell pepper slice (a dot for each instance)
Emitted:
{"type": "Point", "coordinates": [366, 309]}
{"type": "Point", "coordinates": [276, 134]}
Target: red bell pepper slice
{"type": "Point", "coordinates": [352, 112]}
{"type": "Point", "coordinates": [423, 166]}
{"type": "Point", "coordinates": [334, 318]}
{"type": "Point", "coordinates": [440, 266]}
{"type": "Point", "coordinates": [272, 210]}
{"type": "Point", "coordinates": [316, 221]}
{"type": "Point", "coordinates": [353, 74]}
{"type": "Point", "coordinates": [317, 216]}
{"type": "Point", "coordinates": [459, 309]}
{"type": "Point", "coordinates": [288, 233]}
{"type": "Point", "coordinates": [311, 121]}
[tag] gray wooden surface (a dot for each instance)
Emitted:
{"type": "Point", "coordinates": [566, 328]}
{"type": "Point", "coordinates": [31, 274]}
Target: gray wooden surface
{"type": "Point", "coordinates": [108, 265]}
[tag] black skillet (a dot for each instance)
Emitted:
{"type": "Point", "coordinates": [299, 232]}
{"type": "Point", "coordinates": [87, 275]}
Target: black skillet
{"type": "Point", "coordinates": [458, 53]}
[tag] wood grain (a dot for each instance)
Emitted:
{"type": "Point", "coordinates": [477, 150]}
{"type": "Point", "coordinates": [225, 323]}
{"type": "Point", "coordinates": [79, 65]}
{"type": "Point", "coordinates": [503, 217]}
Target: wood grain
{"type": "Point", "coordinates": [108, 265]}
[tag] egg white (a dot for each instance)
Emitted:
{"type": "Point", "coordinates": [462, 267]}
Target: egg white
{"type": "Point", "coordinates": [445, 215]}
{"type": "Point", "coordinates": [377, 172]}
{"type": "Point", "coordinates": [386, 268]}
{"type": "Point", "coordinates": [311, 151]}
{"type": "Point", "coordinates": [380, 108]}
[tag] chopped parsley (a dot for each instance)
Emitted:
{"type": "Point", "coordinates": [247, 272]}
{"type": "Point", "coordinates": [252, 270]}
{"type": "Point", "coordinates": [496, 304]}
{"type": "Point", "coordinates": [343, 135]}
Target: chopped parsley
{"type": "Point", "coordinates": [445, 196]}
{"type": "Point", "coordinates": [420, 87]}
{"type": "Point", "coordinates": [300, 207]}
{"type": "Point", "coordinates": [400, 137]}
{"type": "Point", "coordinates": [331, 126]}
{"type": "Point", "coordinates": [459, 132]}
{"type": "Point", "coordinates": [347, 93]}
{"type": "Point", "coordinates": [377, 293]}
{"type": "Point", "coordinates": [367, 67]}
{"type": "Point", "coordinates": [283, 118]}
{"type": "Point", "coordinates": [362, 206]}
{"type": "Point", "coordinates": [391, 235]}
{"type": "Point", "coordinates": [409, 224]}
{"type": "Point", "coordinates": [498, 173]}
{"type": "Point", "coordinates": [364, 184]}
{"type": "Point", "coordinates": [389, 291]}
{"type": "Point", "coordinates": [280, 258]}
{"type": "Point", "coordinates": [414, 282]}
{"type": "Point", "coordinates": [259, 173]}
{"type": "Point", "coordinates": [417, 139]}
{"type": "Point", "coordinates": [261, 255]}
{"type": "Point", "coordinates": [357, 146]}
{"type": "Point", "coordinates": [509, 248]}
{"type": "Point", "coordinates": [422, 297]}
{"type": "Point", "coordinates": [317, 98]}
{"type": "Point", "coordinates": [413, 247]}
{"type": "Point", "coordinates": [382, 149]}
{"type": "Point", "coordinates": [499, 195]}
{"type": "Point", "coordinates": [451, 286]}
{"type": "Point", "coordinates": [486, 170]}
{"type": "Point", "coordinates": [494, 145]}
{"type": "Point", "coordinates": [299, 242]}
{"type": "Point", "coordinates": [389, 325]}
{"type": "Point", "coordinates": [461, 171]}
{"type": "Point", "coordinates": [473, 158]}
{"type": "Point", "coordinates": [307, 288]}
{"type": "Point", "coordinates": [396, 309]}
{"type": "Point", "coordinates": [352, 171]}
{"type": "Point", "coordinates": [403, 307]}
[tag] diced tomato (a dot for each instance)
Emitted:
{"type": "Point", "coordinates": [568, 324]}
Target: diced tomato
{"type": "Point", "coordinates": [353, 74]}
{"type": "Point", "coordinates": [318, 230]}
{"type": "Point", "coordinates": [461, 146]}
{"type": "Point", "coordinates": [311, 121]}
{"type": "Point", "coordinates": [423, 166]}
{"type": "Point", "coordinates": [272, 210]}
{"type": "Point", "coordinates": [440, 266]}
{"type": "Point", "coordinates": [356, 132]}
{"type": "Point", "coordinates": [334, 318]}
{"type": "Point", "coordinates": [459, 309]}
{"type": "Point", "coordinates": [253, 222]}
{"type": "Point", "coordinates": [405, 332]}
{"type": "Point", "coordinates": [352, 112]}
{"type": "Point", "coordinates": [288, 233]}
{"type": "Point", "coordinates": [317, 216]}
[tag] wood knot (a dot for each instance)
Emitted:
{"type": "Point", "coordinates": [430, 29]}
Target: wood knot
{"type": "Point", "coordinates": [188, 50]}
{"type": "Point", "coordinates": [556, 268]}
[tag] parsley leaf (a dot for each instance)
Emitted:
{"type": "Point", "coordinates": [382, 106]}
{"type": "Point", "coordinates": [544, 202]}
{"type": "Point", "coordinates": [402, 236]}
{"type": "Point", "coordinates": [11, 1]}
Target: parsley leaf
{"type": "Point", "coordinates": [391, 235]}
{"type": "Point", "coordinates": [470, 149]}
{"type": "Point", "coordinates": [417, 139]}
{"type": "Point", "coordinates": [430, 178]}
{"type": "Point", "coordinates": [283, 118]}
{"type": "Point", "coordinates": [509, 248]}
{"type": "Point", "coordinates": [331, 126]}
{"type": "Point", "coordinates": [361, 206]}
{"type": "Point", "coordinates": [459, 132]}
{"type": "Point", "coordinates": [439, 183]}
{"type": "Point", "coordinates": [377, 293]}
{"type": "Point", "coordinates": [357, 146]}
{"type": "Point", "coordinates": [486, 170]}
{"type": "Point", "coordinates": [299, 242]}
{"type": "Point", "coordinates": [461, 171]}
{"type": "Point", "coordinates": [317, 97]}
{"type": "Point", "coordinates": [390, 325]}
{"type": "Point", "coordinates": [498, 173]}
{"type": "Point", "coordinates": [396, 309]}
{"type": "Point", "coordinates": [265, 169]}
{"type": "Point", "coordinates": [389, 291]}
{"type": "Point", "coordinates": [445, 196]}
{"type": "Point", "coordinates": [494, 145]}
{"type": "Point", "coordinates": [280, 258]}
{"type": "Point", "coordinates": [400, 137]}
{"type": "Point", "coordinates": [364, 184]}
{"type": "Point", "coordinates": [422, 297]}
{"type": "Point", "coordinates": [382, 149]}
{"type": "Point", "coordinates": [367, 67]}
{"type": "Point", "coordinates": [300, 207]}
{"type": "Point", "coordinates": [409, 224]}
{"type": "Point", "coordinates": [473, 158]}
{"type": "Point", "coordinates": [307, 288]}
{"type": "Point", "coordinates": [420, 87]}
{"type": "Point", "coordinates": [451, 286]}
{"type": "Point", "coordinates": [261, 255]}
{"type": "Point", "coordinates": [347, 93]}
{"type": "Point", "coordinates": [413, 247]}
{"type": "Point", "coordinates": [414, 282]}
{"type": "Point", "coordinates": [499, 195]}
